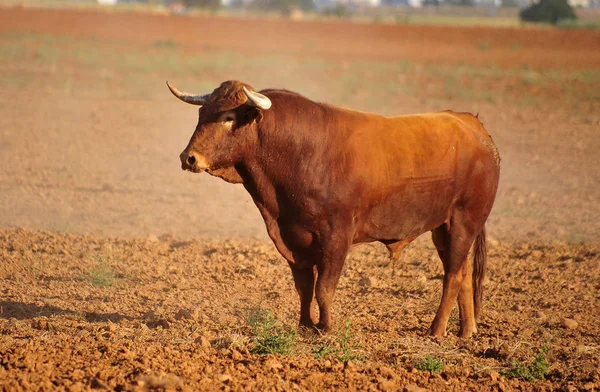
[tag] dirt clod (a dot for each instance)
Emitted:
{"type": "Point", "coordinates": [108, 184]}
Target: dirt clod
{"type": "Point", "coordinates": [273, 364]}
{"type": "Point", "coordinates": [494, 375]}
{"type": "Point", "coordinates": [540, 316]}
{"type": "Point", "coordinates": [387, 386]}
{"type": "Point", "coordinates": [203, 341]}
{"type": "Point", "coordinates": [368, 281]}
{"type": "Point", "coordinates": [236, 355]}
{"type": "Point", "coordinates": [184, 314]}
{"type": "Point", "coordinates": [98, 384]}
{"type": "Point", "coordinates": [569, 323]}
{"type": "Point", "coordinates": [414, 388]}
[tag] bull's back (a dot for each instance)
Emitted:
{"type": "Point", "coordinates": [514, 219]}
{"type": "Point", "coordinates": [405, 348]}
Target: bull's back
{"type": "Point", "coordinates": [391, 151]}
{"type": "Point", "coordinates": [412, 169]}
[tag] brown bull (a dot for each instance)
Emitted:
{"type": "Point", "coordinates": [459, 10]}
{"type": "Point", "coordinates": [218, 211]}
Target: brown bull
{"type": "Point", "coordinates": [326, 178]}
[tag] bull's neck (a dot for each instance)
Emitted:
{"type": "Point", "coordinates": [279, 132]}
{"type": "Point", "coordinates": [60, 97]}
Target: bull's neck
{"type": "Point", "coordinates": [279, 161]}
{"type": "Point", "coordinates": [285, 148]}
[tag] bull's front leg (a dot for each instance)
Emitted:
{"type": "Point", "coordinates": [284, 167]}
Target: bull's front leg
{"type": "Point", "coordinates": [304, 280]}
{"type": "Point", "coordinates": [330, 263]}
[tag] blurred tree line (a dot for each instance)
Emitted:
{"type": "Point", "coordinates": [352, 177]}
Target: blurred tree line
{"type": "Point", "coordinates": [548, 11]}
{"type": "Point", "coordinates": [284, 5]}
{"type": "Point", "coordinates": [277, 5]}
{"type": "Point", "coordinates": [469, 3]}
{"type": "Point", "coordinates": [210, 4]}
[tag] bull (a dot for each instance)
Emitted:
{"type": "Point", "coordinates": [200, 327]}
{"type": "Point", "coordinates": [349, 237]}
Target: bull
{"type": "Point", "coordinates": [325, 178]}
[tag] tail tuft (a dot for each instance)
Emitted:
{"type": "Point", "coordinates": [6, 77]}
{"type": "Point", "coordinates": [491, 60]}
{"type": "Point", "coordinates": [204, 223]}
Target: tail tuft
{"type": "Point", "coordinates": [479, 264]}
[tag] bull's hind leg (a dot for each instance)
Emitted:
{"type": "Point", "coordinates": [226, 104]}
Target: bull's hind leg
{"type": "Point", "coordinates": [453, 247]}
{"type": "Point", "coordinates": [466, 306]}
{"type": "Point", "coordinates": [304, 280]}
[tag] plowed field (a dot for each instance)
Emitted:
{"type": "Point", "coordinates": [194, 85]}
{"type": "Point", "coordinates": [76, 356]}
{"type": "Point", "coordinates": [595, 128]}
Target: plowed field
{"type": "Point", "coordinates": [119, 271]}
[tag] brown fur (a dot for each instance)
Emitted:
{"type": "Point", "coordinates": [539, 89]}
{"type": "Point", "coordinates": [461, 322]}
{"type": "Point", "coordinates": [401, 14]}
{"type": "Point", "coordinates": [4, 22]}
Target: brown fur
{"type": "Point", "coordinates": [326, 178]}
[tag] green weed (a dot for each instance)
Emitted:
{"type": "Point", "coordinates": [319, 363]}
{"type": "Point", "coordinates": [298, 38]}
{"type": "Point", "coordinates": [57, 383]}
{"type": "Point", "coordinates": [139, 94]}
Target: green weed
{"type": "Point", "coordinates": [10, 51]}
{"type": "Point", "coordinates": [484, 46]}
{"type": "Point", "coordinates": [323, 351]}
{"type": "Point", "coordinates": [430, 364]}
{"type": "Point", "coordinates": [537, 370]}
{"type": "Point", "coordinates": [269, 336]}
{"type": "Point", "coordinates": [165, 44]}
{"type": "Point", "coordinates": [341, 349]}
{"type": "Point", "coordinates": [102, 275]}
{"type": "Point", "coordinates": [15, 80]}
{"type": "Point", "coordinates": [529, 101]}
{"type": "Point", "coordinates": [346, 353]}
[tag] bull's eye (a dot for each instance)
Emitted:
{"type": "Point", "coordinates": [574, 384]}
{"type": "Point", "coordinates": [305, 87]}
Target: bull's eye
{"type": "Point", "coordinates": [229, 118]}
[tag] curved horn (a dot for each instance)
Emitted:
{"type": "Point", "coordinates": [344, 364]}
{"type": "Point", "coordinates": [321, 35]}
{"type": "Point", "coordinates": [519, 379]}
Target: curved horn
{"type": "Point", "coordinates": [257, 99]}
{"type": "Point", "coordinates": [189, 98]}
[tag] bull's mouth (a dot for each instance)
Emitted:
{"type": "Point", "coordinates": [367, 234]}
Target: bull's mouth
{"type": "Point", "coordinates": [197, 169]}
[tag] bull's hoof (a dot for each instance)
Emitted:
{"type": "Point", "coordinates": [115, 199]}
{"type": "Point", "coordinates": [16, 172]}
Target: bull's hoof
{"type": "Point", "coordinates": [466, 333]}
{"type": "Point", "coordinates": [306, 324]}
{"type": "Point", "coordinates": [436, 332]}
{"type": "Point", "coordinates": [306, 331]}
{"type": "Point", "coordinates": [322, 328]}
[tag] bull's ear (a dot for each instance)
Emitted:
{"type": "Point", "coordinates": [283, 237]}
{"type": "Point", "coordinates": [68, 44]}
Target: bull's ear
{"type": "Point", "coordinates": [252, 114]}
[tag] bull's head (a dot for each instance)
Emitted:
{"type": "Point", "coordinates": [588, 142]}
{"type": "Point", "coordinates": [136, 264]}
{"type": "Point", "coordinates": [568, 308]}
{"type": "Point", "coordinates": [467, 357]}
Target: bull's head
{"type": "Point", "coordinates": [226, 126]}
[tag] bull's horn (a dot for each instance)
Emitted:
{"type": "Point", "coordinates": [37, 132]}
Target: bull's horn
{"type": "Point", "coordinates": [189, 98]}
{"type": "Point", "coordinates": [257, 99]}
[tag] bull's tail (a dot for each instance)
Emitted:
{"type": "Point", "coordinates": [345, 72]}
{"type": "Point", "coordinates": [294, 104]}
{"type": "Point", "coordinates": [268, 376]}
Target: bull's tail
{"type": "Point", "coordinates": [479, 264]}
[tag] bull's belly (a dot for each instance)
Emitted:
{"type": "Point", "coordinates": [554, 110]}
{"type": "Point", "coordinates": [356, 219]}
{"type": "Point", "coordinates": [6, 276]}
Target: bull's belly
{"type": "Point", "coordinates": [405, 215]}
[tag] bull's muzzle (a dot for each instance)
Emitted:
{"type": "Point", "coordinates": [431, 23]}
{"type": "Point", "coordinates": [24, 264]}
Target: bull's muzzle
{"type": "Point", "coordinates": [193, 161]}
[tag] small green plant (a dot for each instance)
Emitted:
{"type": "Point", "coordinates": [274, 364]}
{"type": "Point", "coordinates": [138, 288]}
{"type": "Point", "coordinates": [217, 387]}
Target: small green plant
{"type": "Point", "coordinates": [346, 353]}
{"type": "Point", "coordinates": [536, 371]}
{"type": "Point", "coordinates": [322, 351]}
{"type": "Point", "coordinates": [165, 44]}
{"type": "Point", "coordinates": [269, 336]}
{"type": "Point", "coordinates": [341, 349]}
{"type": "Point", "coordinates": [484, 46]}
{"type": "Point", "coordinates": [102, 275]}
{"type": "Point", "coordinates": [430, 364]}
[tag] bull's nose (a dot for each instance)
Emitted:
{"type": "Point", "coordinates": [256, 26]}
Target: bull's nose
{"type": "Point", "coordinates": [188, 160]}
{"type": "Point", "coordinates": [191, 160]}
{"type": "Point", "coordinates": [183, 157]}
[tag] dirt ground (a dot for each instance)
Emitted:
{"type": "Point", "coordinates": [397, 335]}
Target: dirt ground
{"type": "Point", "coordinates": [120, 271]}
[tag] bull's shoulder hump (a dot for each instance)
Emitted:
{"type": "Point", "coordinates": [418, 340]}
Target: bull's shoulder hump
{"type": "Point", "coordinates": [443, 116]}
{"type": "Point", "coordinates": [279, 91]}
{"type": "Point", "coordinates": [464, 117]}
{"type": "Point", "coordinates": [472, 123]}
